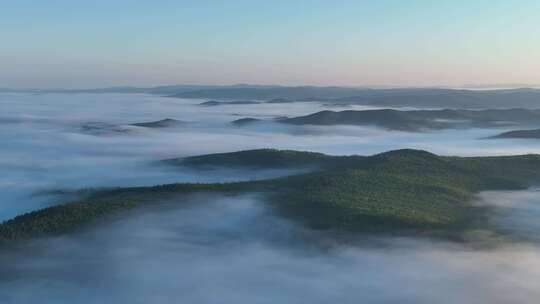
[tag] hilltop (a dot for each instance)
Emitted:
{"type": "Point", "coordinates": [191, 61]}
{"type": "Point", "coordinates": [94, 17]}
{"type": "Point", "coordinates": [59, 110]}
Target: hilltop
{"type": "Point", "coordinates": [417, 120]}
{"type": "Point", "coordinates": [245, 121]}
{"type": "Point", "coordinates": [164, 123]}
{"type": "Point", "coordinates": [260, 159]}
{"type": "Point", "coordinates": [394, 192]}
{"type": "Point", "coordinates": [519, 134]}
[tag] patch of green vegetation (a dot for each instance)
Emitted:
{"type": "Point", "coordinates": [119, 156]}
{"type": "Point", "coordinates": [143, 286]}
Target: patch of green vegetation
{"type": "Point", "coordinates": [98, 203]}
{"type": "Point", "coordinates": [61, 218]}
{"type": "Point", "coordinates": [403, 189]}
{"type": "Point", "coordinates": [392, 192]}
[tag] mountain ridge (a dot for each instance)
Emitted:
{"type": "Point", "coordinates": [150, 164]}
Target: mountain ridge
{"type": "Point", "coordinates": [418, 120]}
{"type": "Point", "coordinates": [399, 191]}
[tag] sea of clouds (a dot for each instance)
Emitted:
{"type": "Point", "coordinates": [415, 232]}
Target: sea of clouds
{"type": "Point", "coordinates": [223, 249]}
{"type": "Point", "coordinates": [233, 249]}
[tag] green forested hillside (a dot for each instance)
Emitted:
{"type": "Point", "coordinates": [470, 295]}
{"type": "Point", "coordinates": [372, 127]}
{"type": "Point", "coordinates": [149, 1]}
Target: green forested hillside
{"type": "Point", "coordinates": [394, 192]}
{"type": "Point", "coordinates": [402, 189]}
{"type": "Point", "coordinates": [164, 123]}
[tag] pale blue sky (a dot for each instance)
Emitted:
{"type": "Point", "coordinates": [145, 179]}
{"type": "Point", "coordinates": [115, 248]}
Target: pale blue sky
{"type": "Point", "coordinates": [72, 43]}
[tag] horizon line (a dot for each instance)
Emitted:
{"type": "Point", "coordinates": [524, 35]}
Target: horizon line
{"type": "Point", "coordinates": [503, 86]}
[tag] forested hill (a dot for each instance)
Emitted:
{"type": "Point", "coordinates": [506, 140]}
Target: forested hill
{"type": "Point", "coordinates": [519, 134]}
{"type": "Point", "coordinates": [416, 120]}
{"type": "Point", "coordinates": [266, 159]}
{"type": "Point", "coordinates": [393, 192]}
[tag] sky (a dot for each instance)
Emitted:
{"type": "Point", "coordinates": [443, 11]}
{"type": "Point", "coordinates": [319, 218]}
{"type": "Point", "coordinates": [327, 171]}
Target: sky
{"type": "Point", "coordinates": [84, 44]}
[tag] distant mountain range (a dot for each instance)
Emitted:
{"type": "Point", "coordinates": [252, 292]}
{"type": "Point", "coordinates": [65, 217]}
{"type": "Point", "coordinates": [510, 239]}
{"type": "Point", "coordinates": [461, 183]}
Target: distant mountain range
{"type": "Point", "coordinates": [412, 97]}
{"type": "Point", "coordinates": [401, 191]}
{"type": "Point", "coordinates": [407, 97]}
{"type": "Point", "coordinates": [160, 90]}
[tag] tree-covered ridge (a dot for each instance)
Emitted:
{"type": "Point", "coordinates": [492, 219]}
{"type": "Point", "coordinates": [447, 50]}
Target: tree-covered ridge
{"type": "Point", "coordinates": [403, 189]}
{"type": "Point", "coordinates": [394, 191]}
{"type": "Point", "coordinates": [70, 216]}
{"type": "Point", "coordinates": [417, 120]}
{"type": "Point", "coordinates": [264, 159]}
{"type": "Point", "coordinates": [519, 134]}
{"type": "Point", "coordinates": [164, 123]}
{"type": "Point", "coordinates": [245, 121]}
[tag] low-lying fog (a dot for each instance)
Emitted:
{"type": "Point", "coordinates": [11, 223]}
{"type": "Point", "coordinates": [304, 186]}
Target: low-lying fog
{"type": "Point", "coordinates": [45, 147]}
{"type": "Point", "coordinates": [233, 249]}
{"type": "Point", "coordinates": [214, 249]}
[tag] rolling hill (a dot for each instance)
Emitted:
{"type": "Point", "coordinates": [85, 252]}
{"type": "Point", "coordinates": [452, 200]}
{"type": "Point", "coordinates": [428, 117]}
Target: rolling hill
{"type": "Point", "coordinates": [164, 123]}
{"type": "Point", "coordinates": [535, 134]}
{"type": "Point", "coordinates": [417, 120]}
{"type": "Point", "coordinates": [399, 191]}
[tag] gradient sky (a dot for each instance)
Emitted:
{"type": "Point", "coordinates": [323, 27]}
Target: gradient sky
{"type": "Point", "coordinates": [71, 43]}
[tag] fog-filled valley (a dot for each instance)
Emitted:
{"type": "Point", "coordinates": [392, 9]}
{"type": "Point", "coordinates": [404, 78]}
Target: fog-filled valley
{"type": "Point", "coordinates": [46, 147]}
{"type": "Point", "coordinates": [224, 247]}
